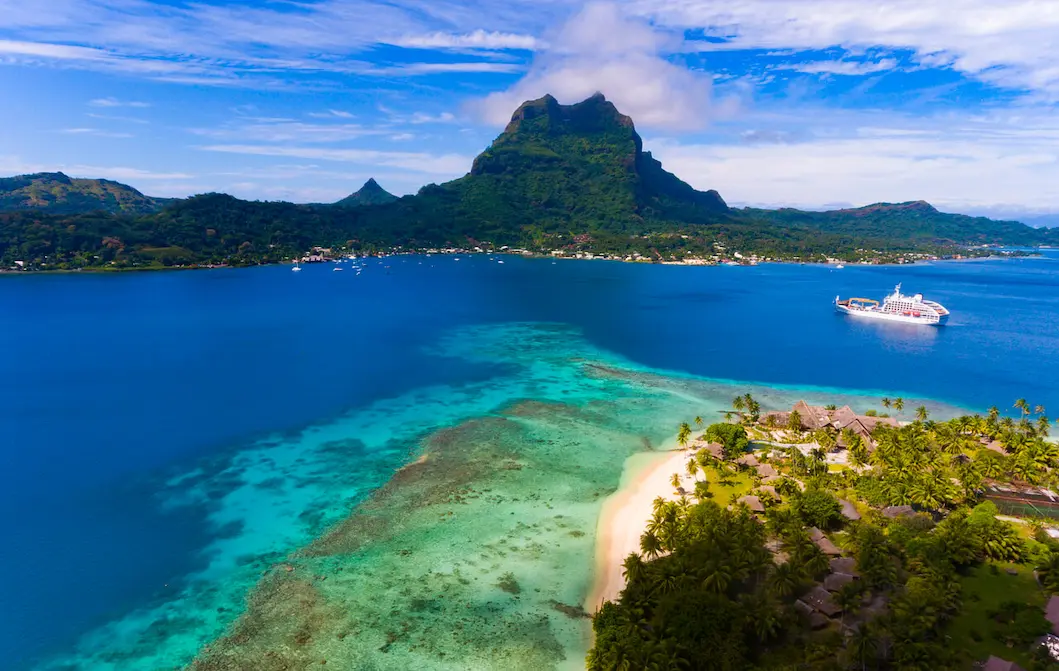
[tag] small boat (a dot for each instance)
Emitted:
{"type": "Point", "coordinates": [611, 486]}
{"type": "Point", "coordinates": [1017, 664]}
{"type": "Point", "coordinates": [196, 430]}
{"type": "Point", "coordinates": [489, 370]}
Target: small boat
{"type": "Point", "coordinates": [840, 266]}
{"type": "Point", "coordinates": [499, 261]}
{"type": "Point", "coordinates": [296, 268]}
{"type": "Point", "coordinates": [336, 270]}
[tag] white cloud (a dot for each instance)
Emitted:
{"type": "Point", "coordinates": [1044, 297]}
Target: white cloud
{"type": "Point", "coordinates": [94, 132]}
{"type": "Point", "coordinates": [479, 39]}
{"type": "Point", "coordinates": [842, 67]}
{"type": "Point", "coordinates": [341, 114]}
{"type": "Point", "coordinates": [285, 130]}
{"type": "Point", "coordinates": [422, 117]}
{"type": "Point", "coordinates": [600, 50]}
{"type": "Point", "coordinates": [445, 165]}
{"type": "Point", "coordinates": [439, 68]}
{"type": "Point", "coordinates": [957, 163]}
{"type": "Point", "coordinates": [114, 102]}
{"type": "Point", "coordinates": [1010, 43]}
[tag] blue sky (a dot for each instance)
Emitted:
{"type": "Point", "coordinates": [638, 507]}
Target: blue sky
{"type": "Point", "coordinates": [810, 103]}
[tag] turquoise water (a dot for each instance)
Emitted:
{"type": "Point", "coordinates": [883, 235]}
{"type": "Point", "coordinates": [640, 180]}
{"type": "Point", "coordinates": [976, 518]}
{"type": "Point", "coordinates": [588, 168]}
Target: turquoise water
{"type": "Point", "coordinates": [173, 438]}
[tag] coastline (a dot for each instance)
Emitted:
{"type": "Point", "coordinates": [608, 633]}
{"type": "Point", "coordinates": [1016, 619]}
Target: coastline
{"type": "Point", "coordinates": [624, 516]}
{"type": "Point", "coordinates": [532, 255]}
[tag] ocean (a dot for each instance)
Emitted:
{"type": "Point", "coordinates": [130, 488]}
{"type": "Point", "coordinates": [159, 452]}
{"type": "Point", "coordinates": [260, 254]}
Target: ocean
{"type": "Point", "coordinates": [170, 440]}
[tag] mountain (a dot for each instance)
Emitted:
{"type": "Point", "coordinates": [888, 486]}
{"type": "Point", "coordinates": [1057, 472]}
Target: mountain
{"type": "Point", "coordinates": [917, 221]}
{"type": "Point", "coordinates": [558, 177]}
{"type": "Point", "coordinates": [57, 193]}
{"type": "Point", "coordinates": [369, 194]}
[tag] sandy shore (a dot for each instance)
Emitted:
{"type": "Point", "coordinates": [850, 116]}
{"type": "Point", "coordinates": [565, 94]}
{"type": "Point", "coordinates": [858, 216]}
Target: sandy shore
{"type": "Point", "coordinates": [625, 515]}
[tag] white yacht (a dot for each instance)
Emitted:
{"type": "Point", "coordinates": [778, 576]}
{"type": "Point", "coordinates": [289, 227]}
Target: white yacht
{"type": "Point", "coordinates": [896, 307]}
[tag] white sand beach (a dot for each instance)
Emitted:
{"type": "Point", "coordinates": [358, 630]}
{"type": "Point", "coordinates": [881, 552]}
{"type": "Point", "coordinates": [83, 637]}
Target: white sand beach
{"type": "Point", "coordinates": [625, 516]}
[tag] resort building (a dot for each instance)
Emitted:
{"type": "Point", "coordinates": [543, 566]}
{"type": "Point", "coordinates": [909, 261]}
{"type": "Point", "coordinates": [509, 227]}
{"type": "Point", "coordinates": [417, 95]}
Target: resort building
{"type": "Point", "coordinates": [815, 417]}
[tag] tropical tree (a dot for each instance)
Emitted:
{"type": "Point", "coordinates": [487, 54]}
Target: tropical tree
{"type": "Point", "coordinates": [692, 466]}
{"type": "Point", "coordinates": [683, 434]}
{"type": "Point", "coordinates": [1023, 406]}
{"type": "Point", "coordinates": [899, 405]}
{"type": "Point", "coordinates": [698, 421]}
{"type": "Point", "coordinates": [886, 402]}
{"type": "Point", "coordinates": [862, 648]}
{"type": "Point", "coordinates": [784, 579]}
{"type": "Point", "coordinates": [702, 490]}
{"type": "Point", "coordinates": [675, 481]}
{"type": "Point", "coordinates": [1048, 572]}
{"type": "Point", "coordinates": [794, 422]}
{"type": "Point", "coordinates": [753, 408]}
{"type": "Point", "coordinates": [649, 544]}
{"type": "Point", "coordinates": [921, 413]}
{"type": "Point", "coordinates": [633, 567]}
{"type": "Point", "coordinates": [738, 403]}
{"type": "Point", "coordinates": [1043, 425]}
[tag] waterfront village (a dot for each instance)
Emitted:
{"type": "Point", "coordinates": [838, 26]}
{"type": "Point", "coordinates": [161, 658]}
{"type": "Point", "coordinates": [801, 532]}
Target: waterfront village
{"type": "Point", "coordinates": [580, 247]}
{"type": "Point", "coordinates": [892, 542]}
{"type": "Point", "coordinates": [721, 255]}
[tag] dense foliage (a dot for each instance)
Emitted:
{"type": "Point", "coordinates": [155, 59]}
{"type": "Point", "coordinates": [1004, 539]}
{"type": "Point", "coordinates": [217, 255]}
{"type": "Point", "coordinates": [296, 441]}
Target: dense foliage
{"type": "Point", "coordinates": [732, 438]}
{"type": "Point", "coordinates": [719, 588]}
{"type": "Point", "coordinates": [56, 193]}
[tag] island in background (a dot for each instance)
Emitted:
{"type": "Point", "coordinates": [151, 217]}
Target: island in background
{"type": "Point", "coordinates": [563, 180]}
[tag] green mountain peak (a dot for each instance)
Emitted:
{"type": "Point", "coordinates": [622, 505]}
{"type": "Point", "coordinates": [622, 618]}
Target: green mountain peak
{"type": "Point", "coordinates": [58, 193]}
{"type": "Point", "coordinates": [369, 194]}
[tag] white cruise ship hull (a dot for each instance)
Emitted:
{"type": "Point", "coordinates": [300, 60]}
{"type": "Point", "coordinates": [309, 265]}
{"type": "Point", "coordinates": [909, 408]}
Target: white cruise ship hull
{"type": "Point", "coordinates": [892, 317]}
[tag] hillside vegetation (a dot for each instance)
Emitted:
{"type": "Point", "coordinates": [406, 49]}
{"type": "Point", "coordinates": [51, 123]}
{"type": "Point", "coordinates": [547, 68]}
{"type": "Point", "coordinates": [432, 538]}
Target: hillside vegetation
{"type": "Point", "coordinates": [558, 177]}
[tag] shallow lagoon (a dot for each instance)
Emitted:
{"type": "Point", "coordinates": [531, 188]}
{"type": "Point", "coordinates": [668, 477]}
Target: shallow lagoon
{"type": "Point", "coordinates": [174, 437]}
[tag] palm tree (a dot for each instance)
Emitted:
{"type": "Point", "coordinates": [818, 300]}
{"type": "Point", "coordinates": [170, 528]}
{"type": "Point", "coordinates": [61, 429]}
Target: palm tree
{"type": "Point", "coordinates": [738, 403]}
{"type": "Point", "coordinates": [1023, 406]}
{"type": "Point", "coordinates": [692, 467]}
{"type": "Point", "coordinates": [753, 408]}
{"type": "Point", "coordinates": [863, 646]}
{"type": "Point", "coordinates": [994, 414]}
{"type": "Point", "coordinates": [698, 421]}
{"type": "Point", "coordinates": [899, 405]}
{"type": "Point", "coordinates": [886, 402]}
{"type": "Point", "coordinates": [702, 490]}
{"type": "Point", "coordinates": [633, 567]}
{"type": "Point", "coordinates": [684, 434]}
{"type": "Point", "coordinates": [649, 544]}
{"type": "Point", "coordinates": [675, 481]}
{"type": "Point", "coordinates": [921, 413]}
{"type": "Point", "coordinates": [794, 422]}
{"type": "Point", "coordinates": [784, 580]}
{"type": "Point", "coordinates": [825, 439]}
{"type": "Point", "coordinates": [1043, 424]}
{"type": "Point", "coordinates": [1038, 409]}
{"type": "Point", "coordinates": [858, 452]}
{"type": "Point", "coordinates": [659, 505]}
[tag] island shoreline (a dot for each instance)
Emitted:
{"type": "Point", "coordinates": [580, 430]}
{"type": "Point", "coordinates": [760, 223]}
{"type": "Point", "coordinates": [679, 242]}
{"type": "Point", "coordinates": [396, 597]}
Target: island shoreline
{"type": "Point", "coordinates": [624, 516]}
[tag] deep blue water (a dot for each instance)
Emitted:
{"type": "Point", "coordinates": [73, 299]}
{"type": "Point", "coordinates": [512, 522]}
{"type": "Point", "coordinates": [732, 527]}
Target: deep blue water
{"type": "Point", "coordinates": [110, 381]}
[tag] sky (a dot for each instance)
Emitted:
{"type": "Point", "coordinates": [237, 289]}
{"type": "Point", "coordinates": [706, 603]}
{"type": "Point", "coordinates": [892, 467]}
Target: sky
{"type": "Point", "coordinates": [804, 103]}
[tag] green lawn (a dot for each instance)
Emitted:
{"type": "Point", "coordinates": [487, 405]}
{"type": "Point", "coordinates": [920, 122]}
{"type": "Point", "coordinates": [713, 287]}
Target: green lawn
{"type": "Point", "coordinates": [983, 591]}
{"type": "Point", "coordinates": [740, 485]}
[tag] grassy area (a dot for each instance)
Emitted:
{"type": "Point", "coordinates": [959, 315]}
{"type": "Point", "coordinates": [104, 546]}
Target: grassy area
{"type": "Point", "coordinates": [739, 484]}
{"type": "Point", "coordinates": [983, 591]}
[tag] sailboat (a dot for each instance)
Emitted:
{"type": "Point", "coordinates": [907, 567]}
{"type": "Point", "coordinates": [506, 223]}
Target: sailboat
{"type": "Point", "coordinates": [296, 268]}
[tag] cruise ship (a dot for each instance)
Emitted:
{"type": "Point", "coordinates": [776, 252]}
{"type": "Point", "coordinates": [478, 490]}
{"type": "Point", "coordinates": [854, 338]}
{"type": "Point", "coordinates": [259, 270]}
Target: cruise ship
{"type": "Point", "coordinates": [896, 307]}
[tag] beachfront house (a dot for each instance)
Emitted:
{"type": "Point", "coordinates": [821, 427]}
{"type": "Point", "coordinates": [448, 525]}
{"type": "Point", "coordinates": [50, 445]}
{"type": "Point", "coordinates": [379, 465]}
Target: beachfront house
{"type": "Point", "coordinates": [816, 417]}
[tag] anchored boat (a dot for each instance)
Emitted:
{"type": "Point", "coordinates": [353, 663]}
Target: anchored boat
{"type": "Point", "coordinates": [896, 307]}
